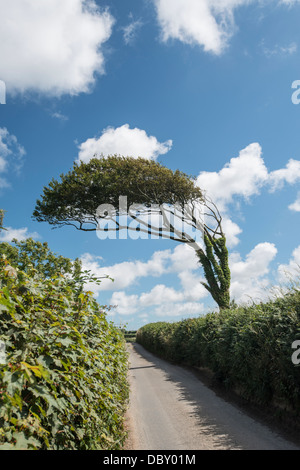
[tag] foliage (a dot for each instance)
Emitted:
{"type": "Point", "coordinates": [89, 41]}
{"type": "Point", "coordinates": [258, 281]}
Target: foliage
{"type": "Point", "coordinates": [75, 198]}
{"type": "Point", "coordinates": [216, 268]}
{"type": "Point", "coordinates": [29, 253]}
{"type": "Point", "coordinates": [64, 380]}
{"type": "Point", "coordinates": [248, 348]}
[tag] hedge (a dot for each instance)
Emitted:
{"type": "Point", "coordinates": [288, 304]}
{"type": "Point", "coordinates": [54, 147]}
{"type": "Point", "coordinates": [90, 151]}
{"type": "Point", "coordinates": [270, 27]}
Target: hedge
{"type": "Point", "coordinates": [247, 348]}
{"type": "Point", "coordinates": [63, 383]}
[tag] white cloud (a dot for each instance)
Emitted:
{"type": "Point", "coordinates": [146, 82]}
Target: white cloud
{"type": "Point", "coordinates": [232, 230]}
{"type": "Point", "coordinates": [181, 261]}
{"type": "Point", "coordinates": [184, 310]}
{"type": "Point", "coordinates": [207, 23]}
{"type": "Point", "coordinates": [124, 304]}
{"type": "Point", "coordinates": [160, 294]}
{"type": "Point", "coordinates": [126, 273]}
{"type": "Point", "coordinates": [193, 290]}
{"type": "Point", "coordinates": [52, 46]}
{"type": "Point", "coordinates": [190, 21]}
{"type": "Point", "coordinates": [11, 155]}
{"type": "Point", "coordinates": [295, 206]}
{"type": "Point", "coordinates": [182, 257]}
{"type": "Point", "coordinates": [257, 262]}
{"type": "Point", "coordinates": [292, 269]}
{"type": "Point", "coordinates": [243, 176]}
{"type": "Point", "coordinates": [60, 116]}
{"type": "Point", "coordinates": [165, 300]}
{"type": "Point", "coordinates": [249, 281]}
{"type": "Point", "coordinates": [18, 233]}
{"type": "Point", "coordinates": [130, 31]}
{"type": "Point", "coordinates": [123, 141]}
{"type": "Point", "coordinates": [290, 174]}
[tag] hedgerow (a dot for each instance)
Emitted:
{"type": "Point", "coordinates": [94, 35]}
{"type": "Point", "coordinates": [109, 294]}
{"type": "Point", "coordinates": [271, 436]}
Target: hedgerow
{"type": "Point", "coordinates": [247, 348]}
{"type": "Point", "coordinates": [63, 384]}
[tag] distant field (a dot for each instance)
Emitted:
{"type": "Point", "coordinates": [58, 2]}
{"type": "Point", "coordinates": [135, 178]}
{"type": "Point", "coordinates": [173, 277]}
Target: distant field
{"type": "Point", "coordinates": [130, 336]}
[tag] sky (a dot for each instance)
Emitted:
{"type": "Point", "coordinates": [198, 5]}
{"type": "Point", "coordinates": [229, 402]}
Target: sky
{"type": "Point", "coordinates": [209, 87]}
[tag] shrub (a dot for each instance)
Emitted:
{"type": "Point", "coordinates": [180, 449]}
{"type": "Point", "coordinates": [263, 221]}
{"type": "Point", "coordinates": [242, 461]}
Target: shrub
{"type": "Point", "coordinates": [247, 348]}
{"type": "Point", "coordinates": [64, 381]}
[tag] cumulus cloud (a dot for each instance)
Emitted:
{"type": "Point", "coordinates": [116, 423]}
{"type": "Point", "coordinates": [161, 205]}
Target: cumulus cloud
{"type": "Point", "coordinates": [209, 24]}
{"type": "Point", "coordinates": [191, 22]}
{"type": "Point", "coordinates": [290, 175]}
{"type": "Point", "coordinates": [52, 47]}
{"type": "Point", "coordinates": [295, 206]}
{"type": "Point", "coordinates": [181, 261]}
{"type": "Point", "coordinates": [126, 273]}
{"type": "Point", "coordinates": [163, 301]}
{"type": "Point", "coordinates": [160, 294]}
{"type": "Point", "coordinates": [123, 141]}
{"type": "Point", "coordinates": [232, 231]}
{"type": "Point", "coordinates": [182, 257]}
{"type": "Point", "coordinates": [19, 233]}
{"type": "Point", "coordinates": [11, 155]}
{"type": "Point", "coordinates": [249, 281]}
{"type": "Point", "coordinates": [292, 269]}
{"type": "Point", "coordinates": [183, 310]}
{"type": "Point", "coordinates": [245, 175]}
{"type": "Point", "coordinates": [124, 304]}
{"type": "Point", "coordinates": [242, 178]}
{"type": "Point", "coordinates": [190, 282]}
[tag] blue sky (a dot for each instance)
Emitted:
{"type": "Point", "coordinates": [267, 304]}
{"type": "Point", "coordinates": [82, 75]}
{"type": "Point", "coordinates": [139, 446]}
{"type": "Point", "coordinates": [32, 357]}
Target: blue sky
{"type": "Point", "coordinates": [204, 86]}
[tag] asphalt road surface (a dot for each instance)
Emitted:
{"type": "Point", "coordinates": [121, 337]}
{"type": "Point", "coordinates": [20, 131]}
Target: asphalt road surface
{"type": "Point", "coordinates": [171, 409]}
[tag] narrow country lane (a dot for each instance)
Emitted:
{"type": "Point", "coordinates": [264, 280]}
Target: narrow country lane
{"type": "Point", "coordinates": [171, 409]}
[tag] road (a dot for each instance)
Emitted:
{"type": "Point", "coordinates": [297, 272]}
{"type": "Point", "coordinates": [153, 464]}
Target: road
{"type": "Point", "coordinates": [171, 409]}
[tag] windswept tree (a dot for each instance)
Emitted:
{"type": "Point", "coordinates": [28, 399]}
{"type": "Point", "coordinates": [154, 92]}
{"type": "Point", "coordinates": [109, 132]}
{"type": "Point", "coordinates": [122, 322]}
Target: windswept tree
{"type": "Point", "coordinates": [116, 193]}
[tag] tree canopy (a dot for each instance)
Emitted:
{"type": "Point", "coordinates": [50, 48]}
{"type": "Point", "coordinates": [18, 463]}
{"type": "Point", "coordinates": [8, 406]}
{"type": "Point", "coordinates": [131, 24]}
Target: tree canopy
{"type": "Point", "coordinates": [152, 189]}
{"type": "Point", "coordinates": [75, 198]}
